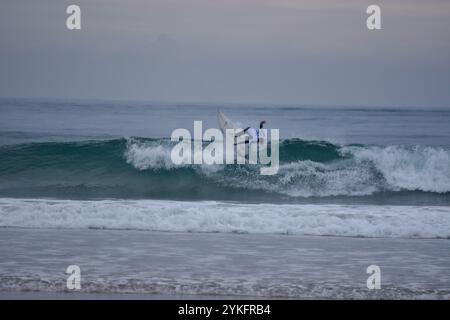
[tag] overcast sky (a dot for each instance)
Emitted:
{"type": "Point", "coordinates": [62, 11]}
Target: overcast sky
{"type": "Point", "coordinates": [245, 51]}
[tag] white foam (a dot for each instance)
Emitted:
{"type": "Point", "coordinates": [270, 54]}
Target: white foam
{"type": "Point", "coordinates": [308, 178]}
{"type": "Point", "coordinates": [211, 216]}
{"type": "Point", "coordinates": [144, 155]}
{"type": "Point", "coordinates": [409, 168]}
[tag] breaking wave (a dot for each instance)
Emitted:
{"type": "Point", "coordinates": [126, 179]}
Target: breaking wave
{"type": "Point", "coordinates": [137, 168]}
{"type": "Point", "coordinates": [226, 217]}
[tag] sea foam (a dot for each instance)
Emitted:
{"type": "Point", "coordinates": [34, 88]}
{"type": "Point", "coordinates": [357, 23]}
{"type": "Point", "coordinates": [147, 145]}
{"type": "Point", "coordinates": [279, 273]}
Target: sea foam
{"type": "Point", "coordinates": [212, 216]}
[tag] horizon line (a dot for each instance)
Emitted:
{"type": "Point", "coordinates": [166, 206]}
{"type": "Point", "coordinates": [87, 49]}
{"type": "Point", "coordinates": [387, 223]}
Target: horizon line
{"type": "Point", "coordinates": [230, 104]}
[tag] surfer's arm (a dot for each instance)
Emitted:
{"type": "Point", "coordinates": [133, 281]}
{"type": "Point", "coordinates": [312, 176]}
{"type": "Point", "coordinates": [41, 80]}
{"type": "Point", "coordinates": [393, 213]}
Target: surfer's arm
{"type": "Point", "coordinates": [240, 133]}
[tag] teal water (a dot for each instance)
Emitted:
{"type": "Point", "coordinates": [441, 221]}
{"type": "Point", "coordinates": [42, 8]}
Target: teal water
{"type": "Point", "coordinates": [96, 150]}
{"type": "Point", "coordinates": [310, 171]}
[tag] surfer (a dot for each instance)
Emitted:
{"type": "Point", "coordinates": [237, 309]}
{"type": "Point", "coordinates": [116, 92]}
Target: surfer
{"type": "Point", "coordinates": [256, 135]}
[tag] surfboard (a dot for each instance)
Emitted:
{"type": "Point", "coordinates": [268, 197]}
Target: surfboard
{"type": "Point", "coordinates": [225, 122]}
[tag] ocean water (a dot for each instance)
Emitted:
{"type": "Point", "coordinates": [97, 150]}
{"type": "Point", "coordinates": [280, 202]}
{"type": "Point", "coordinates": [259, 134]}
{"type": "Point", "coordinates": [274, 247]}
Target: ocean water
{"type": "Point", "coordinates": [370, 173]}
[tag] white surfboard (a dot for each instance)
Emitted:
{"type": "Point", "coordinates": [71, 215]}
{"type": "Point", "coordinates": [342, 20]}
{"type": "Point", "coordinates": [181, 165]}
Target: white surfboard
{"type": "Point", "coordinates": [225, 122]}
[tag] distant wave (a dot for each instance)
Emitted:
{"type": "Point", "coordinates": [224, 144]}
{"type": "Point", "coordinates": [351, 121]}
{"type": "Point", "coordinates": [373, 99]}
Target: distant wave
{"type": "Point", "coordinates": [141, 168]}
{"type": "Point", "coordinates": [212, 216]}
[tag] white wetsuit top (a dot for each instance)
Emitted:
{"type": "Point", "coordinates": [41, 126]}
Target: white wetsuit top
{"type": "Point", "coordinates": [255, 134]}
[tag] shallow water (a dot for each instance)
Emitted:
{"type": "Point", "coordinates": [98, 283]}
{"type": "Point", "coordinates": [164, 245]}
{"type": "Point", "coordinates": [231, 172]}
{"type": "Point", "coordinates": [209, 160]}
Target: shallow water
{"type": "Point", "coordinates": [241, 265]}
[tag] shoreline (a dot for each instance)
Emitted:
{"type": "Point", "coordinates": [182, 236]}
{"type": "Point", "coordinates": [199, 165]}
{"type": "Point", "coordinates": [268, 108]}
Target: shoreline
{"type": "Point", "coordinates": [128, 264]}
{"type": "Point", "coordinates": [18, 295]}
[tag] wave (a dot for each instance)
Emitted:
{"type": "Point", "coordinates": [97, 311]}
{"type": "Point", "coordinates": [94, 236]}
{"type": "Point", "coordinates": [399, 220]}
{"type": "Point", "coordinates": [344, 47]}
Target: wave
{"type": "Point", "coordinates": [142, 168]}
{"type": "Point", "coordinates": [412, 168]}
{"type": "Point", "coordinates": [226, 217]}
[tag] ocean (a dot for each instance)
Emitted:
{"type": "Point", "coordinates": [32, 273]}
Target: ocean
{"type": "Point", "coordinates": [91, 183]}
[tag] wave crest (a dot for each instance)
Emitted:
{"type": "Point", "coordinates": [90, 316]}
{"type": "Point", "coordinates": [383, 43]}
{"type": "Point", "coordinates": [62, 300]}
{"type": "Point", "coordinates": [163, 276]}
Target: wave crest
{"type": "Point", "coordinates": [212, 216]}
{"type": "Point", "coordinates": [148, 155]}
{"type": "Point", "coordinates": [142, 168]}
{"type": "Point", "coordinates": [408, 168]}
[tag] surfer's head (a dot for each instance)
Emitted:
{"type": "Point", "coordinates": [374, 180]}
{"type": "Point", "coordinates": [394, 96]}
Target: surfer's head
{"type": "Point", "coordinates": [261, 124]}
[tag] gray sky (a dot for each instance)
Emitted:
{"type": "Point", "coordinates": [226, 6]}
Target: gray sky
{"type": "Point", "coordinates": [244, 51]}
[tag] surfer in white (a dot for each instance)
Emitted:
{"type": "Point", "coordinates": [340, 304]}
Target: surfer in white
{"type": "Point", "coordinates": [256, 135]}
